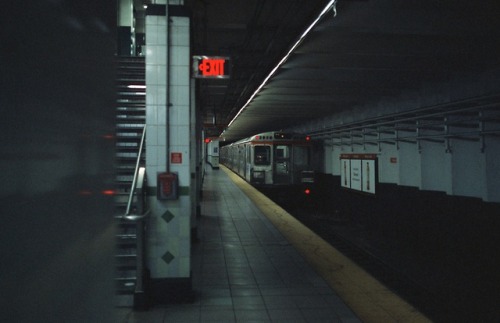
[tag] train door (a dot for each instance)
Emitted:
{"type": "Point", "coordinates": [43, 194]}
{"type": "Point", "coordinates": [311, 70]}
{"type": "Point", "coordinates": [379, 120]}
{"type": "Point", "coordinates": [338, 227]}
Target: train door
{"type": "Point", "coordinates": [248, 162]}
{"type": "Point", "coordinates": [282, 165]}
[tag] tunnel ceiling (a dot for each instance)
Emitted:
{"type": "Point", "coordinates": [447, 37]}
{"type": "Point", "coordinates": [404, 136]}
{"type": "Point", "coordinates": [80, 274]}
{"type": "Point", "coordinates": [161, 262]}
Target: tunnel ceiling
{"type": "Point", "coordinates": [358, 54]}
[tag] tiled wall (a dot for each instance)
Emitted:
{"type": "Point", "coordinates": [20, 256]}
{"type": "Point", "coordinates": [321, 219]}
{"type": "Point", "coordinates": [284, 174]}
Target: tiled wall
{"type": "Point", "coordinates": [169, 232]}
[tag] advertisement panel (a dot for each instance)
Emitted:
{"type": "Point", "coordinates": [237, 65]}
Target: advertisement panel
{"type": "Point", "coordinates": [356, 173]}
{"type": "Point", "coordinates": [345, 173]}
{"type": "Point", "coordinates": [359, 172]}
{"type": "Point", "coordinates": [368, 168]}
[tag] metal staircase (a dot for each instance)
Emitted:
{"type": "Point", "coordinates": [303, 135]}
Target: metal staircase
{"type": "Point", "coordinates": [130, 123]}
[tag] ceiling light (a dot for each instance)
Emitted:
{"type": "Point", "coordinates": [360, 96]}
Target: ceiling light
{"type": "Point", "coordinates": [283, 60]}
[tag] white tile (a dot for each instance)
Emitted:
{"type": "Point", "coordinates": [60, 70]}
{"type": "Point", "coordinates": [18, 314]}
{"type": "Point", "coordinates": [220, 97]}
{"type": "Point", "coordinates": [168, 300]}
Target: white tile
{"type": "Point", "coordinates": [162, 157]}
{"type": "Point", "coordinates": [151, 99]}
{"type": "Point", "coordinates": [180, 115]}
{"type": "Point", "coordinates": [162, 116]}
{"type": "Point", "coordinates": [162, 20]}
{"type": "Point", "coordinates": [151, 156]}
{"type": "Point", "coordinates": [180, 21]}
{"type": "Point", "coordinates": [151, 90]}
{"type": "Point", "coordinates": [162, 135]}
{"type": "Point", "coordinates": [161, 55]}
{"type": "Point", "coordinates": [151, 176]}
{"type": "Point", "coordinates": [151, 54]}
{"type": "Point", "coordinates": [180, 56]}
{"type": "Point", "coordinates": [162, 35]}
{"type": "Point", "coordinates": [152, 35]}
{"type": "Point", "coordinates": [184, 229]}
{"type": "Point", "coordinates": [173, 268]}
{"type": "Point", "coordinates": [151, 117]}
{"type": "Point", "coordinates": [185, 266]}
{"type": "Point", "coordinates": [179, 94]}
{"type": "Point", "coordinates": [157, 267]}
{"type": "Point", "coordinates": [183, 133]}
{"type": "Point", "coordinates": [173, 229]}
{"type": "Point", "coordinates": [179, 75]}
{"type": "Point", "coordinates": [161, 72]}
{"type": "Point", "coordinates": [151, 20]}
{"type": "Point", "coordinates": [184, 174]}
{"type": "Point", "coordinates": [162, 95]}
{"type": "Point", "coordinates": [151, 75]}
{"type": "Point", "coordinates": [179, 36]}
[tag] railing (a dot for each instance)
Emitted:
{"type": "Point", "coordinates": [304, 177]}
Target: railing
{"type": "Point", "coordinates": [471, 120]}
{"type": "Point", "coordinates": [138, 188]}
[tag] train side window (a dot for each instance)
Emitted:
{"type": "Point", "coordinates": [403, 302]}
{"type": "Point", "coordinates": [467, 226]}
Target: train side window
{"type": "Point", "coordinates": [262, 154]}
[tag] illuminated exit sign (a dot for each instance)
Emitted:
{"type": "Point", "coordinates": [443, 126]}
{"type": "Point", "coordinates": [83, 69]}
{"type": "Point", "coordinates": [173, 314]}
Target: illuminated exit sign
{"type": "Point", "coordinates": [211, 67]}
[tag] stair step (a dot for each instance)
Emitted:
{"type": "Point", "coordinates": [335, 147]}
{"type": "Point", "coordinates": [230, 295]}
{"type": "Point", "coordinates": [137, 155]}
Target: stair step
{"type": "Point", "coordinates": [124, 300]}
{"type": "Point", "coordinates": [130, 107]}
{"type": "Point", "coordinates": [130, 125]}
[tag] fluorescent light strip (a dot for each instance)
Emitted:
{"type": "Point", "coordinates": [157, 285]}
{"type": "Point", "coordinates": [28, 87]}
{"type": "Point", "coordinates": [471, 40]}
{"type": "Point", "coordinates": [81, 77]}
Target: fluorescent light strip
{"type": "Point", "coordinates": [284, 59]}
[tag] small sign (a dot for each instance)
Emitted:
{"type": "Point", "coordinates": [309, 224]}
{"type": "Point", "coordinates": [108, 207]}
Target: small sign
{"type": "Point", "coordinates": [211, 67]}
{"type": "Point", "coordinates": [176, 158]}
{"type": "Point", "coordinates": [394, 160]}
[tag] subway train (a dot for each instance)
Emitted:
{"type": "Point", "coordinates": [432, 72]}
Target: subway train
{"type": "Point", "coordinates": [213, 153]}
{"type": "Point", "coordinates": [272, 159]}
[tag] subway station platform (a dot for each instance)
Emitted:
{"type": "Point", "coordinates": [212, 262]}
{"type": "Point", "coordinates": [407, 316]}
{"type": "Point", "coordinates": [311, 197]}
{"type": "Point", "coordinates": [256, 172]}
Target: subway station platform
{"type": "Point", "coordinates": [256, 263]}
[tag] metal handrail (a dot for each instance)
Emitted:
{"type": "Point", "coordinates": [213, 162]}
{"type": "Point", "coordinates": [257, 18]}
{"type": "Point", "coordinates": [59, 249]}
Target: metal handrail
{"type": "Point", "coordinates": [136, 174]}
{"type": "Point", "coordinates": [138, 188]}
{"type": "Point", "coordinates": [139, 191]}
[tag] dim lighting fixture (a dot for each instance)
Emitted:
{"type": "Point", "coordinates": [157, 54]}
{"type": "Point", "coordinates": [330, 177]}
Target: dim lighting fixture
{"type": "Point", "coordinates": [329, 6]}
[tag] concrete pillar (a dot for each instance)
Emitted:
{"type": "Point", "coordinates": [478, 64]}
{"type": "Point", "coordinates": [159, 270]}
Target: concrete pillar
{"type": "Point", "coordinates": [168, 110]}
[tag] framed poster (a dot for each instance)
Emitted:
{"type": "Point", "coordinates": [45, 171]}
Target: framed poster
{"type": "Point", "coordinates": [345, 173]}
{"type": "Point", "coordinates": [356, 174]}
{"type": "Point", "coordinates": [368, 168]}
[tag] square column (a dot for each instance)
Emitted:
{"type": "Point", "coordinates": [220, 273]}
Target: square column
{"type": "Point", "coordinates": [168, 104]}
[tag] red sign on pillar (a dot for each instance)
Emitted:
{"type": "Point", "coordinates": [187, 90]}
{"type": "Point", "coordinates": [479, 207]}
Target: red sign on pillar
{"type": "Point", "coordinates": [176, 158]}
{"type": "Point", "coordinates": [211, 67]}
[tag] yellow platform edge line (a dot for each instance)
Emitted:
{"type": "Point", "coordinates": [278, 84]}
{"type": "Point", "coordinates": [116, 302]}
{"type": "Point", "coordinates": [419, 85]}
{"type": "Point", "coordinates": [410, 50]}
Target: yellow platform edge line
{"type": "Point", "coordinates": [370, 300]}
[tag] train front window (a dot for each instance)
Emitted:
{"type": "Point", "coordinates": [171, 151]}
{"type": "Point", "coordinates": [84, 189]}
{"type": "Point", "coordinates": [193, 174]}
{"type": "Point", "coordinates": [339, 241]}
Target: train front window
{"type": "Point", "coordinates": [282, 152]}
{"type": "Point", "coordinates": [262, 155]}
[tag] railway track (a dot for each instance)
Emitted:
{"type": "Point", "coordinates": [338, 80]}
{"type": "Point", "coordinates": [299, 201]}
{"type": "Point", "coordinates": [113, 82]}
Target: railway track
{"type": "Point", "coordinates": [331, 226]}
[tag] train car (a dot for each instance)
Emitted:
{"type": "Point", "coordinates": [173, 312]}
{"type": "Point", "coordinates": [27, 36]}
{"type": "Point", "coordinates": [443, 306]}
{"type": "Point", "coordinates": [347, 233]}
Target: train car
{"type": "Point", "coordinates": [271, 159]}
{"type": "Point", "coordinates": [213, 153]}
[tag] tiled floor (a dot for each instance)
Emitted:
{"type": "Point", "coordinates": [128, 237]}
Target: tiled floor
{"type": "Point", "coordinates": [245, 271]}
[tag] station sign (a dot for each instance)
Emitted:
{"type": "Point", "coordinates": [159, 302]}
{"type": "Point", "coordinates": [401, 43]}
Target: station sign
{"type": "Point", "coordinates": [211, 67]}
